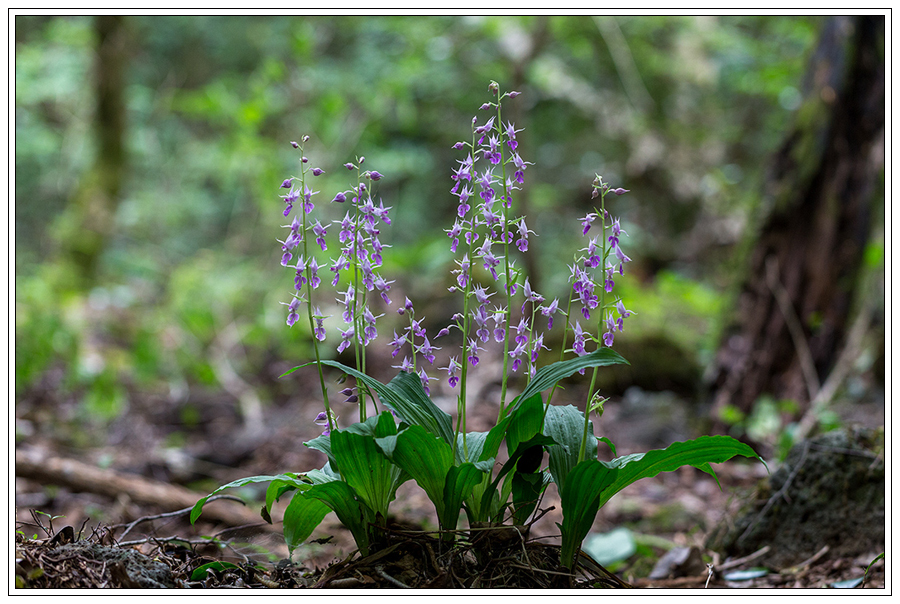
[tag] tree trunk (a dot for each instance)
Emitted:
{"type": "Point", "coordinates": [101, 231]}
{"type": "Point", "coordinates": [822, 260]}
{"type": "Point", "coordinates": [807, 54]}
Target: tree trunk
{"type": "Point", "coordinates": [88, 220]}
{"type": "Point", "coordinates": [793, 309]}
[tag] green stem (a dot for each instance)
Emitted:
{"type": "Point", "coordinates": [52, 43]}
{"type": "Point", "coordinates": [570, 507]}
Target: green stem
{"type": "Point", "coordinates": [358, 305]}
{"type": "Point", "coordinates": [602, 308]}
{"type": "Point", "coordinates": [309, 311]}
{"type": "Point", "coordinates": [506, 266]}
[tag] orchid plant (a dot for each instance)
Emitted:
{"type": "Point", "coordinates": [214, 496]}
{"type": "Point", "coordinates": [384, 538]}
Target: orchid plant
{"type": "Point", "coordinates": [407, 436]}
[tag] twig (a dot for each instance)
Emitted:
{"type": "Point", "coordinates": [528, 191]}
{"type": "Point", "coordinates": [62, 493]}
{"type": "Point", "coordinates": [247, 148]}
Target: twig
{"type": "Point", "coordinates": [842, 367]}
{"type": "Point", "coordinates": [738, 561]}
{"type": "Point", "coordinates": [803, 566]}
{"type": "Point", "coordinates": [33, 464]}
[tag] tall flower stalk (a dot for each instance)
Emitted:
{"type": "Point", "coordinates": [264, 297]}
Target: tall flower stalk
{"type": "Point", "coordinates": [490, 223]}
{"type": "Point", "coordinates": [601, 251]}
{"type": "Point", "coordinates": [361, 257]}
{"type": "Point", "coordinates": [306, 276]}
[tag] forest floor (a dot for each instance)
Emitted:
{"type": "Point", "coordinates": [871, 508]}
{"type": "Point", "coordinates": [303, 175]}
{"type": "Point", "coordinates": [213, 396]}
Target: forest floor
{"type": "Point", "coordinates": [101, 481]}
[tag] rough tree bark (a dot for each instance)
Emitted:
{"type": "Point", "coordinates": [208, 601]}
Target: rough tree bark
{"type": "Point", "coordinates": [792, 313]}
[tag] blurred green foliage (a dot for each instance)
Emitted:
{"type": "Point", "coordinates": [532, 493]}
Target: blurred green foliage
{"type": "Point", "coordinates": [680, 110]}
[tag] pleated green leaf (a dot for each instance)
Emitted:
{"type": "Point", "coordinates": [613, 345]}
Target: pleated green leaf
{"type": "Point", "coordinates": [301, 517]}
{"type": "Point", "coordinates": [407, 398]}
{"type": "Point", "coordinates": [198, 507]}
{"type": "Point", "coordinates": [363, 466]}
{"type": "Point", "coordinates": [460, 482]}
{"type": "Point", "coordinates": [350, 510]}
{"type": "Point", "coordinates": [549, 375]}
{"type": "Point", "coordinates": [580, 496]}
{"type": "Point", "coordinates": [699, 453]}
{"type": "Point", "coordinates": [565, 425]}
{"type": "Point", "coordinates": [525, 422]}
{"type": "Point", "coordinates": [424, 456]}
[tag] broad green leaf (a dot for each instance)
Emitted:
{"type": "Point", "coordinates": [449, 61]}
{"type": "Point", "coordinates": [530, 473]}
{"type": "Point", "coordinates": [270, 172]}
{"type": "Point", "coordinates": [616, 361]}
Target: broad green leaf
{"type": "Point", "coordinates": [565, 425]}
{"type": "Point", "coordinates": [472, 446]}
{"type": "Point", "coordinates": [366, 428]}
{"type": "Point", "coordinates": [492, 440]}
{"type": "Point", "coordinates": [579, 497]}
{"type": "Point", "coordinates": [417, 409]}
{"type": "Point", "coordinates": [485, 502]}
{"type": "Point", "coordinates": [350, 510]}
{"type": "Point", "coordinates": [326, 474]}
{"type": "Point", "coordinates": [460, 482]}
{"type": "Point", "coordinates": [847, 584]}
{"type": "Point", "coordinates": [198, 507]}
{"type": "Point", "coordinates": [201, 571]}
{"type": "Point", "coordinates": [281, 485]}
{"type": "Point", "coordinates": [363, 466]}
{"type": "Point", "coordinates": [526, 490]}
{"type": "Point", "coordinates": [407, 398]}
{"type": "Point", "coordinates": [549, 375]}
{"type": "Point", "coordinates": [699, 453]}
{"type": "Point", "coordinates": [322, 443]}
{"type": "Point", "coordinates": [425, 457]}
{"type": "Point", "coordinates": [301, 517]}
{"type": "Point", "coordinates": [525, 422]}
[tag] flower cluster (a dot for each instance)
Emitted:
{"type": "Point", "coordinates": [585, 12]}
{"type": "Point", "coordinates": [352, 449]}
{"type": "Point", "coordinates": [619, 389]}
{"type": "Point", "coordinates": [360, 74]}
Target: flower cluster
{"type": "Point", "coordinates": [486, 179]}
{"type": "Point", "coordinates": [305, 268]}
{"type": "Point", "coordinates": [485, 234]}
{"type": "Point", "coordinates": [360, 257]}
{"type": "Point", "coordinates": [602, 250]}
{"type": "Point", "coordinates": [423, 348]}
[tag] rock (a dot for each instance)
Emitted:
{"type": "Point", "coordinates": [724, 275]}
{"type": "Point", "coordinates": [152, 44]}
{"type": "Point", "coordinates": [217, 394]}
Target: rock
{"type": "Point", "coordinates": [829, 491]}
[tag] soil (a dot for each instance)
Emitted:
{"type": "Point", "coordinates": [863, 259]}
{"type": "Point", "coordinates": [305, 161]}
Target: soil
{"type": "Point", "coordinates": [68, 536]}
